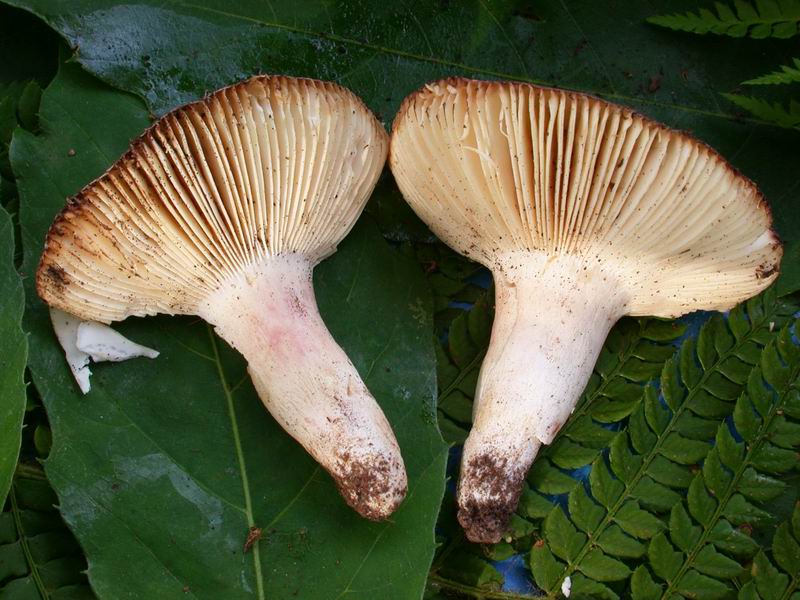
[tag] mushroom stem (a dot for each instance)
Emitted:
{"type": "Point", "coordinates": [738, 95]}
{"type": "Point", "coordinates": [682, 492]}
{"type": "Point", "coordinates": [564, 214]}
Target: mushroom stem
{"type": "Point", "coordinates": [308, 383]}
{"type": "Point", "coordinates": [551, 319]}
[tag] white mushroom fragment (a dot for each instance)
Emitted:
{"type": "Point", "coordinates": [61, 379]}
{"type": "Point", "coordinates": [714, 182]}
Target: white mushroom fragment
{"type": "Point", "coordinates": [84, 340]}
{"type": "Point", "coordinates": [584, 211]}
{"type": "Point", "coordinates": [104, 344]}
{"type": "Point", "coordinates": [222, 209]}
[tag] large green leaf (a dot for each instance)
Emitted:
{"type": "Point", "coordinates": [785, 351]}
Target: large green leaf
{"type": "Point", "coordinates": [168, 464]}
{"type": "Point", "coordinates": [171, 53]}
{"type": "Point", "coordinates": [13, 354]}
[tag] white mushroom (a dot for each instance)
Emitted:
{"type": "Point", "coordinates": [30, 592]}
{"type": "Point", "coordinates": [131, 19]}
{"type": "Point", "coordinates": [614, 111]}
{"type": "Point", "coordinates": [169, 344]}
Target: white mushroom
{"type": "Point", "coordinates": [584, 211]}
{"type": "Point", "coordinates": [222, 209]}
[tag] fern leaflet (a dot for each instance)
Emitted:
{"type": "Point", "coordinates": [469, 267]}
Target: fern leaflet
{"type": "Point", "coordinates": [768, 581]}
{"type": "Point", "coordinates": [786, 74]}
{"type": "Point", "coordinates": [758, 20]}
{"type": "Point", "coordinates": [783, 116]}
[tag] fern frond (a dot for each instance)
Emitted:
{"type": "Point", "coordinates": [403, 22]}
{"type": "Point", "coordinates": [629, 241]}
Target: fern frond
{"type": "Point", "coordinates": [704, 547]}
{"type": "Point", "coordinates": [40, 557]}
{"type": "Point", "coordinates": [786, 74]}
{"type": "Point", "coordinates": [759, 19]}
{"type": "Point", "coordinates": [782, 116]}
{"type": "Point", "coordinates": [458, 363]}
{"type": "Point", "coordinates": [783, 580]}
{"type": "Point", "coordinates": [651, 463]}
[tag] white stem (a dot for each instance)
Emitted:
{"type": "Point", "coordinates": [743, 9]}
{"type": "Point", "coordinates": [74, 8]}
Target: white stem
{"type": "Point", "coordinates": [308, 383]}
{"type": "Point", "coordinates": [551, 319]}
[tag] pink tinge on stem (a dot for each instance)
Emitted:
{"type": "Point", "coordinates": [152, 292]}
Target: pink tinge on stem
{"type": "Point", "coordinates": [308, 383]}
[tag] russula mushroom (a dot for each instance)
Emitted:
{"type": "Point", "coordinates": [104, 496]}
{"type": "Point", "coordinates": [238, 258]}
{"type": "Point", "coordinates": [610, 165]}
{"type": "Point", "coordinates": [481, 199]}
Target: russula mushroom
{"type": "Point", "coordinates": [584, 211]}
{"type": "Point", "coordinates": [221, 209]}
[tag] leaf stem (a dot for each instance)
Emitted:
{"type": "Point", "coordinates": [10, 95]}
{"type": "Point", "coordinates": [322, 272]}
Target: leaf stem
{"type": "Point", "coordinates": [248, 504]}
{"type": "Point", "coordinates": [473, 592]}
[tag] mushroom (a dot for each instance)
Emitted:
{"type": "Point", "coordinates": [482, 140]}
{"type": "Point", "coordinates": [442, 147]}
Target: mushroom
{"type": "Point", "coordinates": [584, 211]}
{"type": "Point", "coordinates": [222, 209]}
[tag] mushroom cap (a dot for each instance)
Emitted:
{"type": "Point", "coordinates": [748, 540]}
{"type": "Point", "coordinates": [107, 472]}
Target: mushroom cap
{"type": "Point", "coordinates": [270, 166]}
{"type": "Point", "coordinates": [499, 170]}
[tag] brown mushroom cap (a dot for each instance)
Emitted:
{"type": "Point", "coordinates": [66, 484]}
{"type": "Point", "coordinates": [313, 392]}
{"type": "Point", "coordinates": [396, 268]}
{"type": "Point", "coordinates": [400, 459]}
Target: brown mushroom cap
{"type": "Point", "coordinates": [270, 166]}
{"type": "Point", "coordinates": [500, 168]}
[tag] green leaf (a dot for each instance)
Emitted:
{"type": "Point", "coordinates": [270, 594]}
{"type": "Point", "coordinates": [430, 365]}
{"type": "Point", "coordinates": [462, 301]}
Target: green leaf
{"type": "Point", "coordinates": [784, 433]}
{"type": "Point", "coordinates": [545, 568]}
{"type": "Point", "coordinates": [637, 522]}
{"type": "Point", "coordinates": [605, 488]}
{"type": "Point", "coordinates": [13, 354]}
{"type": "Point", "coordinates": [664, 560]}
{"type": "Point", "coordinates": [654, 495]}
{"type": "Point", "coordinates": [745, 418]}
{"type": "Point", "coordinates": [693, 427]}
{"type": "Point", "coordinates": [682, 531]}
{"type": "Point", "coordinates": [669, 473]}
{"type": "Point", "coordinates": [770, 582]}
{"type": "Point", "coordinates": [534, 505]}
{"type": "Point", "coordinates": [786, 74]}
{"type": "Point", "coordinates": [646, 457]}
{"type": "Point", "coordinates": [711, 562]}
{"type": "Point", "coordinates": [623, 462]}
{"type": "Point", "coordinates": [748, 592]}
{"type": "Point", "coordinates": [695, 585]}
{"type": "Point", "coordinates": [615, 542]}
{"type": "Point", "coordinates": [585, 513]}
{"type": "Point", "coordinates": [739, 511]}
{"type": "Point", "coordinates": [733, 541]}
{"type": "Point", "coordinates": [39, 557]}
{"type": "Point", "coordinates": [785, 549]}
{"type": "Point", "coordinates": [717, 478]}
{"type": "Point", "coordinates": [600, 567]}
{"type": "Point", "coordinates": [701, 505]}
{"type": "Point", "coordinates": [731, 452]}
{"type": "Point", "coordinates": [167, 464]}
{"type": "Point", "coordinates": [756, 486]}
{"type": "Point", "coordinates": [562, 537]}
{"type": "Point", "coordinates": [569, 455]}
{"type": "Point", "coordinates": [642, 585]}
{"type": "Point", "coordinates": [28, 106]}
{"type": "Point", "coordinates": [767, 18]}
{"type": "Point", "coordinates": [683, 450]}
{"type": "Point", "coordinates": [772, 112]}
{"type": "Point", "coordinates": [547, 479]}
{"type": "Point", "coordinates": [773, 459]}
